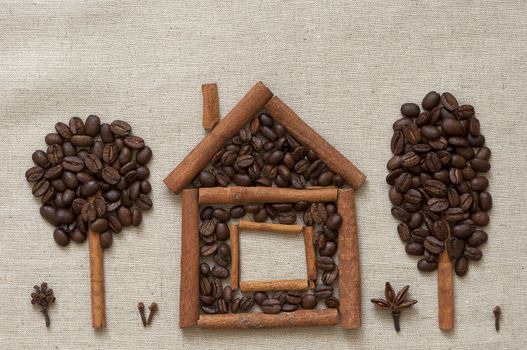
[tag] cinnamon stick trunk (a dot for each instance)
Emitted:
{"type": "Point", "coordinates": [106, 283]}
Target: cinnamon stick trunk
{"type": "Point", "coordinates": [269, 227]}
{"type": "Point", "coordinates": [445, 295]}
{"type": "Point", "coordinates": [189, 279]}
{"type": "Point", "coordinates": [349, 262]}
{"type": "Point", "coordinates": [211, 106]}
{"type": "Point", "coordinates": [98, 307]}
{"type": "Point", "coordinates": [198, 158]}
{"type": "Point", "coordinates": [235, 256]}
{"type": "Point", "coordinates": [310, 254]}
{"type": "Point", "coordinates": [300, 318]}
{"type": "Point", "coordinates": [273, 285]}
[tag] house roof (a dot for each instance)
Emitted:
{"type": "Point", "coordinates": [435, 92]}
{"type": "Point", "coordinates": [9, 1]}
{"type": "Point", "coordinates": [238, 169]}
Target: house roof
{"type": "Point", "coordinates": [258, 97]}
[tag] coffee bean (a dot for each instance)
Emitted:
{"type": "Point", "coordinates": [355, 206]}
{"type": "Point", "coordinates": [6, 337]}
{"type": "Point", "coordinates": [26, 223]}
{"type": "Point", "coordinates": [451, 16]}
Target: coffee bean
{"type": "Point", "coordinates": [325, 263]}
{"type": "Point", "coordinates": [82, 140]}
{"type": "Point", "coordinates": [99, 225]}
{"type": "Point", "coordinates": [329, 249]}
{"type": "Point", "coordinates": [430, 100]}
{"type": "Point", "coordinates": [414, 248]}
{"type": "Point", "coordinates": [88, 212]}
{"type": "Point", "coordinates": [329, 277]}
{"type": "Point", "coordinates": [222, 231]}
{"type": "Point", "coordinates": [309, 301]}
{"type": "Point", "coordinates": [480, 218]}
{"type": "Point", "coordinates": [120, 128]}
{"type": "Point", "coordinates": [221, 214]}
{"type": "Point", "coordinates": [449, 101]}
{"type": "Point", "coordinates": [110, 175]}
{"type": "Point", "coordinates": [137, 217]}
{"type": "Point", "coordinates": [461, 266]}
{"type": "Point", "coordinates": [323, 292]}
{"type": "Point", "coordinates": [477, 238]}
{"type": "Point", "coordinates": [400, 213]}
{"type": "Point", "coordinates": [220, 272]}
{"type": "Point", "coordinates": [426, 265]}
{"type": "Point", "coordinates": [437, 204]}
{"type": "Point", "coordinates": [433, 245]}
{"type": "Point", "coordinates": [455, 247]}
{"type": "Point", "coordinates": [410, 110]}
{"type": "Point", "coordinates": [332, 302]}
{"type": "Point", "coordinates": [271, 306]}
{"type": "Point", "coordinates": [61, 237]}
{"type": "Point", "coordinates": [106, 239]}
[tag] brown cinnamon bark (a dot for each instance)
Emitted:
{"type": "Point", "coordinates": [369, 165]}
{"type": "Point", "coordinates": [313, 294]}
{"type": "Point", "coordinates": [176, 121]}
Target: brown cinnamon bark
{"type": "Point", "coordinates": [349, 262]}
{"type": "Point", "coordinates": [445, 292]}
{"type": "Point", "coordinates": [273, 285]}
{"type": "Point", "coordinates": [98, 307]}
{"type": "Point", "coordinates": [268, 227]}
{"type": "Point", "coordinates": [211, 106]}
{"type": "Point", "coordinates": [235, 256]}
{"type": "Point", "coordinates": [310, 255]}
{"type": "Point", "coordinates": [300, 318]}
{"type": "Point", "coordinates": [189, 278]}
{"type": "Point", "coordinates": [248, 195]}
{"type": "Point", "coordinates": [311, 139]}
{"type": "Point", "coordinates": [198, 158]}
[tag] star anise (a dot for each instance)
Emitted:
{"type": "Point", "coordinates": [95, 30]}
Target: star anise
{"type": "Point", "coordinates": [394, 302]}
{"type": "Point", "coordinates": [43, 296]}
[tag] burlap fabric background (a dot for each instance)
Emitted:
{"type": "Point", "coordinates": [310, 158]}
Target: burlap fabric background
{"type": "Point", "coordinates": [344, 67]}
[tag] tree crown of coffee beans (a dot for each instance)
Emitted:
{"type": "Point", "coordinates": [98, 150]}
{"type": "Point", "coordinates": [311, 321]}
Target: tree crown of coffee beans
{"type": "Point", "coordinates": [91, 174]}
{"type": "Point", "coordinates": [435, 188]}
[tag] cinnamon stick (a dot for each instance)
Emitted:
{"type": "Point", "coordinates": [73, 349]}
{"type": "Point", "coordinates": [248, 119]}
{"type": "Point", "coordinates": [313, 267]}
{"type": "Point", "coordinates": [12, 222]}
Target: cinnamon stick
{"type": "Point", "coordinates": [235, 256]}
{"type": "Point", "coordinates": [248, 195]}
{"type": "Point", "coordinates": [299, 318]}
{"type": "Point", "coordinates": [273, 285]}
{"type": "Point", "coordinates": [98, 307]}
{"type": "Point", "coordinates": [349, 262]}
{"type": "Point", "coordinates": [445, 290]}
{"type": "Point", "coordinates": [189, 278]}
{"type": "Point", "coordinates": [198, 158]}
{"type": "Point", "coordinates": [310, 254]}
{"type": "Point", "coordinates": [268, 227]}
{"type": "Point", "coordinates": [311, 139]}
{"type": "Point", "coordinates": [211, 106]}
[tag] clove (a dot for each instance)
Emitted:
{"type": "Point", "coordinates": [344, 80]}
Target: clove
{"type": "Point", "coordinates": [497, 314]}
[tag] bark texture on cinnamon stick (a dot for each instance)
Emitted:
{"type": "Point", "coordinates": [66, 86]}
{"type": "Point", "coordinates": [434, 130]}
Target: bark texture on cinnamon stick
{"type": "Point", "coordinates": [198, 158]}
{"type": "Point", "coordinates": [349, 262]}
{"type": "Point", "coordinates": [98, 307]}
{"type": "Point", "coordinates": [235, 256]}
{"type": "Point", "coordinates": [251, 195]}
{"type": "Point", "coordinates": [211, 106]}
{"type": "Point", "coordinates": [445, 292]}
{"type": "Point", "coordinates": [189, 279]}
{"type": "Point", "coordinates": [310, 138]}
{"type": "Point", "coordinates": [269, 227]}
{"type": "Point", "coordinates": [310, 254]}
{"type": "Point", "coordinates": [273, 285]}
{"type": "Point", "coordinates": [300, 318]}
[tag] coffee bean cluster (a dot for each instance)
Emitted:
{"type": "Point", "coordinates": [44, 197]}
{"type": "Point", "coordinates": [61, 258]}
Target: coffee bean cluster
{"type": "Point", "coordinates": [436, 186]}
{"type": "Point", "coordinates": [91, 174]}
{"type": "Point", "coordinates": [215, 251]}
{"type": "Point", "coordinates": [265, 154]}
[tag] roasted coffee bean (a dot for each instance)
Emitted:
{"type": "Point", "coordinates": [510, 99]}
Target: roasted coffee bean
{"type": "Point", "coordinates": [110, 175]}
{"type": "Point", "coordinates": [246, 303]}
{"type": "Point", "coordinates": [114, 223]}
{"type": "Point", "coordinates": [332, 302]}
{"type": "Point", "coordinates": [221, 214]}
{"type": "Point", "coordinates": [260, 297]}
{"type": "Point", "coordinates": [479, 183]}
{"type": "Point", "coordinates": [453, 215]}
{"type": "Point", "coordinates": [134, 190]}
{"type": "Point", "coordinates": [323, 292]}
{"type": "Point", "coordinates": [49, 213]}
{"type": "Point", "coordinates": [134, 142]}
{"type": "Point", "coordinates": [430, 100]}
{"type": "Point", "coordinates": [461, 266]}
{"type": "Point", "coordinates": [88, 212]}
{"type": "Point", "coordinates": [220, 272]}
{"type": "Point", "coordinates": [462, 231]}
{"type": "Point", "coordinates": [455, 247]}
{"type": "Point", "coordinates": [54, 139]}
{"type": "Point", "coordinates": [404, 232]}
{"type": "Point", "coordinates": [329, 249]}
{"type": "Point", "coordinates": [426, 265]}
{"type": "Point", "coordinates": [294, 297]}
{"type": "Point", "coordinates": [289, 307]}
{"type": "Point", "coordinates": [449, 101]}
{"type": "Point", "coordinates": [477, 238]}
{"type": "Point", "coordinates": [410, 110]}
{"type": "Point", "coordinates": [82, 140]}
{"type": "Point", "coordinates": [400, 213]}
{"type": "Point", "coordinates": [76, 126]}
{"type": "Point", "coordinates": [61, 237]}
{"type": "Point", "coordinates": [309, 301]}
{"type": "Point", "coordinates": [437, 204]}
{"type": "Point", "coordinates": [208, 249]}
{"type": "Point", "coordinates": [99, 225]}
{"type": "Point", "coordinates": [222, 231]}
{"type": "Point", "coordinates": [433, 245]}
{"type": "Point", "coordinates": [204, 269]}
{"type": "Point", "coordinates": [120, 128]}
{"type": "Point", "coordinates": [137, 217]}
{"type": "Point", "coordinates": [480, 218]}
{"type": "Point", "coordinates": [414, 248]}
{"type": "Point", "coordinates": [260, 215]}
{"type": "Point", "coordinates": [35, 173]}
{"type": "Point", "coordinates": [40, 188]}
{"type": "Point", "coordinates": [280, 296]}
{"type": "Point", "coordinates": [329, 277]}
{"type": "Point", "coordinates": [403, 183]}
{"type": "Point", "coordinates": [40, 158]}
{"type": "Point", "coordinates": [271, 306]}
{"type": "Point", "coordinates": [325, 263]}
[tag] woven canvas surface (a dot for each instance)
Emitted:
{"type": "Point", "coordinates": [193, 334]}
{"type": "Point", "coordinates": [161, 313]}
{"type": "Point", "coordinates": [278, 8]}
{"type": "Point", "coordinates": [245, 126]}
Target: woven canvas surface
{"type": "Point", "coordinates": [345, 67]}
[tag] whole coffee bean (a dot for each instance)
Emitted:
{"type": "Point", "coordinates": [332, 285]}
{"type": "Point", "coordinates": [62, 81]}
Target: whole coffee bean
{"type": "Point", "coordinates": [410, 110]}
{"type": "Point", "coordinates": [414, 248]}
{"type": "Point", "coordinates": [431, 100]}
{"type": "Point", "coordinates": [89, 188]}
{"type": "Point", "coordinates": [289, 307]}
{"type": "Point", "coordinates": [329, 277]}
{"type": "Point", "coordinates": [207, 213]}
{"type": "Point", "coordinates": [479, 183]}
{"type": "Point", "coordinates": [55, 154]}
{"type": "Point", "coordinates": [477, 238]}
{"type": "Point", "coordinates": [271, 306]}
{"type": "Point", "coordinates": [287, 218]}
{"type": "Point", "coordinates": [82, 140]}
{"type": "Point", "coordinates": [433, 245]}
{"type": "Point", "coordinates": [329, 249]}
{"type": "Point", "coordinates": [309, 301]}
{"type": "Point", "coordinates": [294, 297]}
{"type": "Point", "coordinates": [137, 217]}
{"type": "Point", "coordinates": [403, 183]}
{"type": "Point", "coordinates": [125, 216]}
{"type": "Point", "coordinates": [204, 269]}
{"type": "Point", "coordinates": [484, 153]}
{"type": "Point", "coordinates": [221, 214]}
{"type": "Point", "coordinates": [134, 142]}
{"type": "Point", "coordinates": [54, 139]}
{"type": "Point", "coordinates": [110, 175]}
{"type": "Point", "coordinates": [449, 101]}
{"type": "Point", "coordinates": [426, 265]}
{"type": "Point", "coordinates": [260, 215]}
{"type": "Point", "coordinates": [453, 215]}
{"type": "Point", "coordinates": [479, 164]}
{"type": "Point", "coordinates": [220, 272]}
{"type": "Point", "coordinates": [440, 229]}
{"type": "Point", "coordinates": [88, 212]}
{"type": "Point", "coordinates": [222, 231]}
{"type": "Point", "coordinates": [73, 163]}
{"type": "Point", "coordinates": [438, 204]}
{"type": "Point", "coordinates": [260, 297]}
{"type": "Point", "coordinates": [224, 249]}
{"type": "Point", "coordinates": [461, 266]}
{"type": "Point", "coordinates": [40, 158]}
{"type": "Point", "coordinates": [332, 302]}
{"type": "Point", "coordinates": [228, 294]}
{"type": "Point", "coordinates": [106, 239]}
{"type": "Point", "coordinates": [114, 223]}
{"type": "Point", "coordinates": [395, 196]}
{"type": "Point", "coordinates": [120, 128]}
{"type": "Point", "coordinates": [61, 237]}
{"type": "Point", "coordinates": [480, 218]}
{"type": "Point", "coordinates": [452, 127]}
{"type": "Point", "coordinates": [208, 249]}
{"type": "Point", "coordinates": [99, 225]}
{"type": "Point", "coordinates": [207, 227]}
{"type": "Point", "coordinates": [323, 292]}
{"type": "Point", "coordinates": [462, 231]}
{"type": "Point", "coordinates": [404, 232]}
{"type": "Point", "coordinates": [246, 303]}
{"type": "Point", "coordinates": [63, 130]}
{"type": "Point", "coordinates": [49, 213]}
{"type": "Point", "coordinates": [92, 125]}
{"type": "Point", "coordinates": [40, 188]}
{"type": "Point", "coordinates": [77, 236]}
{"type": "Point", "coordinates": [76, 126]}
{"type": "Point", "coordinates": [455, 247]}
{"type": "Point", "coordinates": [400, 213]}
{"type": "Point", "coordinates": [106, 133]}
{"type": "Point", "coordinates": [35, 173]}
{"type": "Point", "coordinates": [325, 263]}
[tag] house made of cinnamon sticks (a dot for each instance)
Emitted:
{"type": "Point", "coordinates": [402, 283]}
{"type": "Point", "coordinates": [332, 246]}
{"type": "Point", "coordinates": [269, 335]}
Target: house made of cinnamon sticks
{"type": "Point", "coordinates": [265, 169]}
